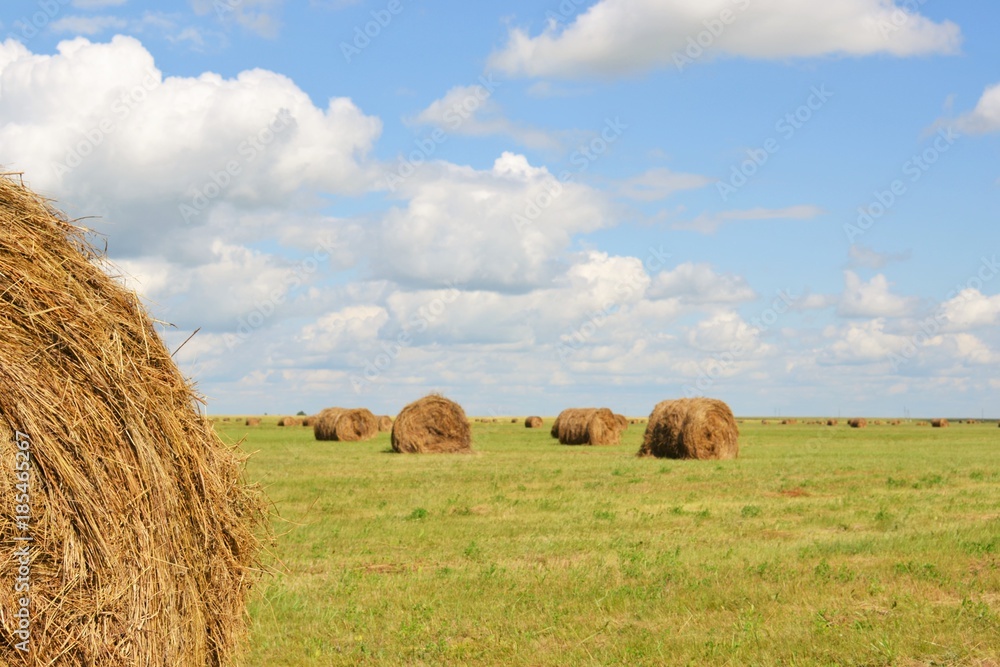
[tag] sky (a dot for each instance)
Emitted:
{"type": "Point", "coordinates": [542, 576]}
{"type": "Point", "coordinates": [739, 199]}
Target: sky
{"type": "Point", "coordinates": [784, 204]}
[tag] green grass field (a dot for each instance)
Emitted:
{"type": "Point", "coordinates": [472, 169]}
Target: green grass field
{"type": "Point", "coordinates": [818, 546]}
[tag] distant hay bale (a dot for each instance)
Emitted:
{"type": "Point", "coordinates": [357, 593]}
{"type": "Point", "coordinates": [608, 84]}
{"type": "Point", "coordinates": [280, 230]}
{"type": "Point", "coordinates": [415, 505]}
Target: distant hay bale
{"type": "Point", "coordinates": [533, 422]}
{"type": "Point", "coordinates": [384, 423]}
{"type": "Point", "coordinates": [939, 423]}
{"type": "Point", "coordinates": [345, 425]}
{"type": "Point", "coordinates": [308, 421]}
{"type": "Point", "coordinates": [691, 428]}
{"type": "Point", "coordinates": [290, 421]}
{"type": "Point", "coordinates": [622, 422]}
{"type": "Point", "coordinates": [764, 422]}
{"type": "Point", "coordinates": [587, 426]}
{"type": "Point", "coordinates": [432, 424]}
{"type": "Point", "coordinates": [788, 422]}
{"type": "Point", "coordinates": [253, 421]}
{"type": "Point", "coordinates": [143, 533]}
{"type": "Point", "coordinates": [857, 422]}
{"type": "Point", "coordinates": [514, 420]}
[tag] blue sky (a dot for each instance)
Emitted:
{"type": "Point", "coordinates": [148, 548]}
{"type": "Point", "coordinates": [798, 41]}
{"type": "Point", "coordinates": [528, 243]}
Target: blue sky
{"type": "Point", "coordinates": [787, 205]}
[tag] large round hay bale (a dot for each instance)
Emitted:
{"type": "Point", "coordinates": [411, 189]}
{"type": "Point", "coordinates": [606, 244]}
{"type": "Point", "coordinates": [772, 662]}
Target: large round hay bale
{"type": "Point", "coordinates": [691, 428]}
{"type": "Point", "coordinates": [345, 425]}
{"type": "Point", "coordinates": [253, 421]}
{"type": "Point", "coordinates": [622, 422]}
{"type": "Point", "coordinates": [384, 423]}
{"type": "Point", "coordinates": [431, 424]}
{"type": "Point", "coordinates": [939, 423]}
{"type": "Point", "coordinates": [290, 421]}
{"type": "Point", "coordinates": [533, 422]}
{"type": "Point", "coordinates": [588, 426]}
{"type": "Point", "coordinates": [142, 531]}
{"type": "Point", "coordinates": [831, 422]}
{"type": "Point", "coordinates": [857, 422]}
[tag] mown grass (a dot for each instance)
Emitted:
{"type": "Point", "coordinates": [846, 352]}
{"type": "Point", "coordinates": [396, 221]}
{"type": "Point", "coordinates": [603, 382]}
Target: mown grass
{"type": "Point", "coordinates": [818, 546]}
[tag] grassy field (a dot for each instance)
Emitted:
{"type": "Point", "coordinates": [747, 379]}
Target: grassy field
{"type": "Point", "coordinates": [818, 546]}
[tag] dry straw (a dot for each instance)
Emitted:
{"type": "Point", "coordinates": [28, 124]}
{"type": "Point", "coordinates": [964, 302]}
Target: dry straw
{"type": "Point", "coordinates": [345, 425]}
{"type": "Point", "coordinates": [691, 428]}
{"type": "Point", "coordinates": [384, 423]}
{"type": "Point", "coordinates": [857, 422]}
{"type": "Point", "coordinates": [939, 423]}
{"type": "Point", "coordinates": [253, 421]}
{"type": "Point", "coordinates": [290, 421]}
{"type": "Point", "coordinates": [533, 422]}
{"type": "Point", "coordinates": [432, 424]}
{"type": "Point", "coordinates": [587, 426]}
{"type": "Point", "coordinates": [144, 533]}
{"type": "Point", "coordinates": [622, 422]}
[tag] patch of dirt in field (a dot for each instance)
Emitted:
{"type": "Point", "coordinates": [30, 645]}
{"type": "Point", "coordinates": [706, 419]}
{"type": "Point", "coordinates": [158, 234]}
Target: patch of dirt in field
{"type": "Point", "coordinates": [797, 492]}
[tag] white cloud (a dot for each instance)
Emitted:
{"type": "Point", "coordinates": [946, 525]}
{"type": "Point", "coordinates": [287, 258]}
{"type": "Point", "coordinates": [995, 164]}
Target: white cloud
{"type": "Point", "coordinates": [257, 16]}
{"type": "Point", "coordinates": [698, 283]}
{"type": "Point", "coordinates": [970, 309]}
{"type": "Point", "coordinates": [985, 117]}
{"type": "Point", "coordinates": [865, 257]}
{"type": "Point", "coordinates": [471, 111]}
{"type": "Point", "coordinates": [872, 299]}
{"type": "Point", "coordinates": [503, 228]}
{"type": "Point", "coordinates": [709, 223]}
{"type": "Point", "coordinates": [135, 148]}
{"type": "Point", "coordinates": [87, 25]}
{"type": "Point", "coordinates": [343, 329]}
{"type": "Point", "coordinates": [660, 183]}
{"type": "Point", "coordinates": [865, 342]}
{"type": "Point", "coordinates": [615, 37]}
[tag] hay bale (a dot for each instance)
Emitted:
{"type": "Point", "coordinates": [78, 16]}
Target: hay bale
{"type": "Point", "coordinates": [764, 422]}
{"type": "Point", "coordinates": [143, 545]}
{"type": "Point", "coordinates": [691, 428]}
{"type": "Point", "coordinates": [384, 423]}
{"type": "Point", "coordinates": [308, 421]}
{"type": "Point", "coordinates": [587, 426]}
{"type": "Point", "coordinates": [831, 422]}
{"type": "Point", "coordinates": [345, 425]}
{"type": "Point", "coordinates": [290, 421]}
{"type": "Point", "coordinates": [939, 423]}
{"type": "Point", "coordinates": [622, 422]}
{"type": "Point", "coordinates": [857, 422]}
{"type": "Point", "coordinates": [431, 424]}
{"type": "Point", "coordinates": [533, 422]}
{"type": "Point", "coordinates": [514, 420]}
{"type": "Point", "coordinates": [253, 421]}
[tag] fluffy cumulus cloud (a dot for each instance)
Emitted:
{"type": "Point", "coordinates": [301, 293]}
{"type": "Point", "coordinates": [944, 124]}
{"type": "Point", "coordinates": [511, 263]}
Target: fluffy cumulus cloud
{"type": "Point", "coordinates": [615, 37]}
{"type": "Point", "coordinates": [872, 299]}
{"type": "Point", "coordinates": [699, 283]}
{"type": "Point", "coordinates": [500, 229]}
{"type": "Point", "coordinates": [159, 156]}
{"type": "Point", "coordinates": [986, 116]}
